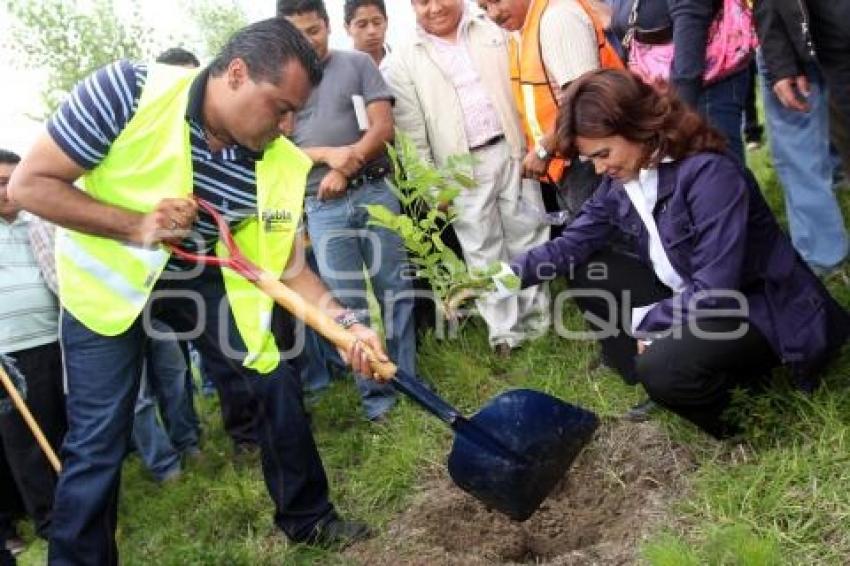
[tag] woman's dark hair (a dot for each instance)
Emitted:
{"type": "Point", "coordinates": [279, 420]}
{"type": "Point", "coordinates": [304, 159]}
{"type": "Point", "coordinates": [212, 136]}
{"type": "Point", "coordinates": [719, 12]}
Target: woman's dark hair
{"type": "Point", "coordinates": [609, 102]}
{"type": "Point", "coordinates": [294, 7]}
{"type": "Point", "coordinates": [266, 47]}
{"type": "Point", "coordinates": [351, 7]}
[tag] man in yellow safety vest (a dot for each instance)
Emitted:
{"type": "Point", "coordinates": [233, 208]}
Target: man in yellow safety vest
{"type": "Point", "coordinates": [142, 139]}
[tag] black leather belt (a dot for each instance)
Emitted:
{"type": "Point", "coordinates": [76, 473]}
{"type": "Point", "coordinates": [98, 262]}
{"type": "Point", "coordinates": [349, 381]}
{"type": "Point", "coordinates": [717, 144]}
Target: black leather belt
{"type": "Point", "coordinates": [655, 36]}
{"type": "Point", "coordinates": [492, 141]}
{"type": "Point", "coordinates": [367, 175]}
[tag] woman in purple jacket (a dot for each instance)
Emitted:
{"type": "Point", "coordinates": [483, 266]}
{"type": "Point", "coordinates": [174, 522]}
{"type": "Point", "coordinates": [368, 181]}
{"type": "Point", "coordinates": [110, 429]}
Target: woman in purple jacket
{"type": "Point", "coordinates": [715, 296]}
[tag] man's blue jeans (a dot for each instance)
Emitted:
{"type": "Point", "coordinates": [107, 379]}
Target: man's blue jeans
{"type": "Point", "coordinates": [103, 379]}
{"type": "Point", "coordinates": [165, 386]}
{"type": "Point", "coordinates": [799, 143]}
{"type": "Point", "coordinates": [149, 437]}
{"type": "Point", "coordinates": [345, 245]}
{"type": "Point", "coordinates": [167, 370]}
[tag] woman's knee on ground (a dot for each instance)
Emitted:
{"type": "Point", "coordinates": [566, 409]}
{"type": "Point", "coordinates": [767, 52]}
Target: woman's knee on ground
{"type": "Point", "coordinates": [672, 379]}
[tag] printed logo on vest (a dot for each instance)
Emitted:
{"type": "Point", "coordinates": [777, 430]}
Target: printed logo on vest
{"type": "Point", "coordinates": [276, 220]}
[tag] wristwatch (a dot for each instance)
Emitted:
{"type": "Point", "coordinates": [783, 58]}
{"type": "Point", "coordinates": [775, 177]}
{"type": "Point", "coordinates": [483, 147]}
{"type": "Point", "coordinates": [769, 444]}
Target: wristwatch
{"type": "Point", "coordinates": [541, 153]}
{"type": "Point", "coordinates": [347, 319]}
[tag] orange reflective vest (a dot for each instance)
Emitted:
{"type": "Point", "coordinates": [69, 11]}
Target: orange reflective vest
{"type": "Point", "coordinates": [536, 101]}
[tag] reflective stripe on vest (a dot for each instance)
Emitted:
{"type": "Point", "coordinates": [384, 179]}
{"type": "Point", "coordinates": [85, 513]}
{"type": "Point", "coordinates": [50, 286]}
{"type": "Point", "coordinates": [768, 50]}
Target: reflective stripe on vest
{"type": "Point", "coordinates": [102, 273]}
{"type": "Point", "coordinates": [105, 283]}
{"type": "Point", "coordinates": [535, 129]}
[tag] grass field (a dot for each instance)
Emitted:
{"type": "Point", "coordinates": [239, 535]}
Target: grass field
{"type": "Point", "coordinates": [785, 500]}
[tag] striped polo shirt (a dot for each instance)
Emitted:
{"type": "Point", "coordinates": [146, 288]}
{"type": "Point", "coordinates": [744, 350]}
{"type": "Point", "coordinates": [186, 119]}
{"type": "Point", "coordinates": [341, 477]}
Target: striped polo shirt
{"type": "Point", "coordinates": [100, 106]}
{"type": "Point", "coordinates": [29, 312]}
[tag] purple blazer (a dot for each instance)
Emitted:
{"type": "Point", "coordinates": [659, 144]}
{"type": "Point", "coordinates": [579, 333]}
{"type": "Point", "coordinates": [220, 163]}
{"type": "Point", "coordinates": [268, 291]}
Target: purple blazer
{"type": "Point", "coordinates": [719, 235]}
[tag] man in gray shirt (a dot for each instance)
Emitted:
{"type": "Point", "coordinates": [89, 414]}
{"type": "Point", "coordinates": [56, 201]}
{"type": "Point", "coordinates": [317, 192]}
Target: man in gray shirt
{"type": "Point", "coordinates": [344, 128]}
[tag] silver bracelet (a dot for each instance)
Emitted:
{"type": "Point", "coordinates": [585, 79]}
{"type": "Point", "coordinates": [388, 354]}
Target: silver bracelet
{"type": "Point", "coordinates": [347, 319]}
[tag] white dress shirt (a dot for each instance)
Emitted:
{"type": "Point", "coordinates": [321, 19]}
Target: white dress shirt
{"type": "Point", "coordinates": [643, 192]}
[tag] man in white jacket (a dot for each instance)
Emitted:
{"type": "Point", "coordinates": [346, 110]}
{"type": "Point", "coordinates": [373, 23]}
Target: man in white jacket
{"type": "Point", "coordinates": [453, 96]}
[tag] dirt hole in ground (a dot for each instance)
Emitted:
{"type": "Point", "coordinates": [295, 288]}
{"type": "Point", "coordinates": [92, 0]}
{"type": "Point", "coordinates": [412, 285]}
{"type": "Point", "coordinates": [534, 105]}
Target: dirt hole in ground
{"type": "Point", "coordinates": [618, 489]}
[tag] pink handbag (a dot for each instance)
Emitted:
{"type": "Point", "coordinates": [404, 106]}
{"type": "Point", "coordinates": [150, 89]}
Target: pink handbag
{"type": "Point", "coordinates": [732, 42]}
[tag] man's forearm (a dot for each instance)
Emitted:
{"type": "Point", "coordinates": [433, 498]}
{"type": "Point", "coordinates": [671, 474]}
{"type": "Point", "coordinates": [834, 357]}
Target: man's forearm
{"type": "Point", "coordinates": [67, 206]}
{"type": "Point", "coordinates": [374, 142]}
{"type": "Point", "coordinates": [380, 131]}
{"type": "Point", "coordinates": [371, 145]}
{"type": "Point", "coordinates": [307, 284]}
{"type": "Point", "coordinates": [316, 154]}
{"type": "Point", "coordinates": [43, 185]}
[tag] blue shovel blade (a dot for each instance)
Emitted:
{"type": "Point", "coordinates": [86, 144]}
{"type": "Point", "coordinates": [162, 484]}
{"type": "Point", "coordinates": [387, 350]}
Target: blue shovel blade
{"type": "Point", "coordinates": [512, 453]}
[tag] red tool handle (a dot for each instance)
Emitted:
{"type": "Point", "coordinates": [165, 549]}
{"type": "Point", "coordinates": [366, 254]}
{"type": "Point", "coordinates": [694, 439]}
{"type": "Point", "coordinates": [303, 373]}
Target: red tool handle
{"type": "Point", "coordinates": [236, 261]}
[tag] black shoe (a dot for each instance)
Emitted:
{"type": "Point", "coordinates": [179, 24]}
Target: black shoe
{"type": "Point", "coordinates": [339, 534]}
{"type": "Point", "coordinates": [641, 412]}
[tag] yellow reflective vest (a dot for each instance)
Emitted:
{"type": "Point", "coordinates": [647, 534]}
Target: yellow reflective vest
{"type": "Point", "coordinates": [105, 283]}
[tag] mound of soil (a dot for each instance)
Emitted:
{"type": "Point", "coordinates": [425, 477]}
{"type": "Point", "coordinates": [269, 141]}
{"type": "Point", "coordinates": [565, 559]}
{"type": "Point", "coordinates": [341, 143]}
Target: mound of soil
{"type": "Point", "coordinates": [618, 489]}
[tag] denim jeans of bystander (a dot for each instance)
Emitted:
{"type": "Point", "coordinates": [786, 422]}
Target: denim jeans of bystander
{"type": "Point", "coordinates": [799, 144]}
{"type": "Point", "coordinates": [347, 251]}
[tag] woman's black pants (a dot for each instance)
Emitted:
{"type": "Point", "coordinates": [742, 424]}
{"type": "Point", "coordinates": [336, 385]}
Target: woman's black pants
{"type": "Point", "coordinates": [694, 367]}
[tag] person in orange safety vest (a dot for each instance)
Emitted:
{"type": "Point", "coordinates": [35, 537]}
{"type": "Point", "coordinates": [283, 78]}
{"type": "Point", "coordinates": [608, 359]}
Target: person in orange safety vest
{"type": "Point", "coordinates": [554, 42]}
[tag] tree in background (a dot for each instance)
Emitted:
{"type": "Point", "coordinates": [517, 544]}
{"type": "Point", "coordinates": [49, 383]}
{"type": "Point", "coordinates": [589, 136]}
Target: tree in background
{"type": "Point", "coordinates": [216, 21]}
{"type": "Point", "coordinates": [70, 40]}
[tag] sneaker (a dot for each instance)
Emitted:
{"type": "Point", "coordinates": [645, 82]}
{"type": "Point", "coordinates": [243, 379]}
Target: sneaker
{"type": "Point", "coordinates": [753, 145]}
{"type": "Point", "coordinates": [641, 412]}
{"type": "Point", "coordinates": [338, 534]}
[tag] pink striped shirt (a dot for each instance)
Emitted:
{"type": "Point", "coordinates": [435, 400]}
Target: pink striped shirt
{"type": "Point", "coordinates": [481, 121]}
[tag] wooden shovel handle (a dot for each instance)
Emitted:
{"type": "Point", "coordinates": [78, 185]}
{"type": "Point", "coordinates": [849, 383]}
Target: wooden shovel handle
{"type": "Point", "coordinates": [320, 322]}
{"type": "Point", "coordinates": [28, 418]}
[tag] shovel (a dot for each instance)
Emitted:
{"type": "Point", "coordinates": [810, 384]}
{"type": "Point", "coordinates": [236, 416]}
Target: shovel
{"type": "Point", "coordinates": [19, 403]}
{"type": "Point", "coordinates": [509, 455]}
